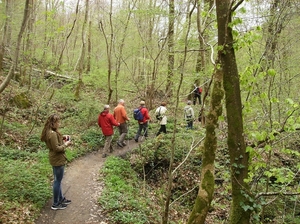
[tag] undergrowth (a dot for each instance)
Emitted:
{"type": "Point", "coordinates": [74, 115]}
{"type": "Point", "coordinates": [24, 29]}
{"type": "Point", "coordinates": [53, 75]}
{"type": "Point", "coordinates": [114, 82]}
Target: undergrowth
{"type": "Point", "coordinates": [136, 184]}
{"type": "Point", "coordinates": [122, 198]}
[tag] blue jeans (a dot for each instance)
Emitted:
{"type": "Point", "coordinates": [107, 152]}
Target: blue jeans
{"type": "Point", "coordinates": [142, 127]}
{"type": "Point", "coordinates": [58, 173]}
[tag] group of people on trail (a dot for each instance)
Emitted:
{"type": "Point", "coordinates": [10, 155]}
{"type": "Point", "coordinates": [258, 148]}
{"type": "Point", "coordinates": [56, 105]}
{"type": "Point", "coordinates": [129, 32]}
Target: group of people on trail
{"type": "Point", "coordinates": [57, 143]}
{"type": "Point", "coordinates": [119, 118]}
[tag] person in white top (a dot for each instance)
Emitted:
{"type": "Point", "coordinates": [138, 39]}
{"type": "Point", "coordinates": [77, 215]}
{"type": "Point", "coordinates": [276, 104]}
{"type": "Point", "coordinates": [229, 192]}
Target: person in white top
{"type": "Point", "coordinates": [189, 115]}
{"type": "Point", "coordinates": [160, 114]}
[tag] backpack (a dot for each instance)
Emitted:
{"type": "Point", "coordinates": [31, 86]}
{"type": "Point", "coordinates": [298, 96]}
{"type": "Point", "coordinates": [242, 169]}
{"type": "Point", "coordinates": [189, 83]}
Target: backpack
{"type": "Point", "coordinates": [137, 114]}
{"type": "Point", "coordinates": [188, 114]}
{"type": "Point", "coordinates": [158, 115]}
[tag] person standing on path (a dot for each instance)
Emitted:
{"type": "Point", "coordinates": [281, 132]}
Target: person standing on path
{"type": "Point", "coordinates": [106, 121]}
{"type": "Point", "coordinates": [189, 115]}
{"type": "Point", "coordinates": [160, 114]}
{"type": "Point", "coordinates": [121, 117]}
{"type": "Point", "coordinates": [197, 94]}
{"type": "Point", "coordinates": [143, 124]}
{"type": "Point", "coordinates": [57, 144]}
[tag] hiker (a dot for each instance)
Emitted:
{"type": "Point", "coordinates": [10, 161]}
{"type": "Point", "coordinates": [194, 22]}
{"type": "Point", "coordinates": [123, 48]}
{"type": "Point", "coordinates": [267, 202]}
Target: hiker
{"type": "Point", "coordinates": [197, 94]}
{"type": "Point", "coordinates": [143, 124]}
{"type": "Point", "coordinates": [121, 117]}
{"type": "Point", "coordinates": [106, 121]}
{"type": "Point", "coordinates": [57, 144]}
{"type": "Point", "coordinates": [160, 114]}
{"type": "Point", "coordinates": [189, 115]}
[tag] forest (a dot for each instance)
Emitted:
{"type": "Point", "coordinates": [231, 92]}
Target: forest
{"type": "Point", "coordinates": [240, 163]}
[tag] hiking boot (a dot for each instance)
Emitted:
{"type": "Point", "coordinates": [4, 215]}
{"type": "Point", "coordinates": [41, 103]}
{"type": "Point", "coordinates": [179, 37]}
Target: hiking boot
{"type": "Point", "coordinates": [66, 201]}
{"type": "Point", "coordinates": [104, 155]}
{"type": "Point", "coordinates": [59, 207]}
{"type": "Point", "coordinates": [136, 140]}
{"type": "Point", "coordinates": [120, 144]}
{"type": "Point", "coordinates": [124, 144]}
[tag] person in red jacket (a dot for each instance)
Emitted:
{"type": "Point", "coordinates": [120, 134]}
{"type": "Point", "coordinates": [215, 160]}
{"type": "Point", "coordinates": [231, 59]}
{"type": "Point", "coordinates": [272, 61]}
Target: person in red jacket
{"type": "Point", "coordinates": [143, 125]}
{"type": "Point", "coordinates": [106, 121]}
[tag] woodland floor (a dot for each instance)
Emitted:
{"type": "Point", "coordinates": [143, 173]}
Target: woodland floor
{"type": "Point", "coordinates": [81, 185]}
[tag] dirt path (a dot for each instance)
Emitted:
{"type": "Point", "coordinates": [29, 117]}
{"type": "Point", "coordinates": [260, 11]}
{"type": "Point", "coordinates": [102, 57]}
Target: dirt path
{"type": "Point", "coordinates": [81, 186]}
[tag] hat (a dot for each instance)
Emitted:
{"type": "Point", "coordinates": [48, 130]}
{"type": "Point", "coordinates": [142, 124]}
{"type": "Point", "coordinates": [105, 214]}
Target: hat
{"type": "Point", "coordinates": [106, 107]}
{"type": "Point", "coordinates": [142, 102]}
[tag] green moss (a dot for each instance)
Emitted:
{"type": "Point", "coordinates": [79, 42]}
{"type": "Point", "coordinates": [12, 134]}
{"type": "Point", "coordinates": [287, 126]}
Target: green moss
{"type": "Point", "coordinates": [22, 101]}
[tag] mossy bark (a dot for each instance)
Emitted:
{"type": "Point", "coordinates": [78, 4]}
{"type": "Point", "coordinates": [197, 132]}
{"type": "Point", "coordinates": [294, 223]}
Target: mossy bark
{"type": "Point", "coordinates": [207, 180]}
{"type": "Point", "coordinates": [236, 141]}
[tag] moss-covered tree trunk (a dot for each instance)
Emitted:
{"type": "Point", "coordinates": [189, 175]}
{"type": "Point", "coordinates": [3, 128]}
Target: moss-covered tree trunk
{"type": "Point", "coordinates": [236, 142]}
{"type": "Point", "coordinates": [207, 178]}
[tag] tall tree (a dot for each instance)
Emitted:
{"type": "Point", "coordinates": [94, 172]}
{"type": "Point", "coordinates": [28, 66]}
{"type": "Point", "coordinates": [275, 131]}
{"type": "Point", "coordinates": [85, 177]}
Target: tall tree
{"type": "Point", "coordinates": [181, 69]}
{"type": "Point", "coordinates": [226, 72]}
{"type": "Point", "coordinates": [59, 62]}
{"type": "Point", "coordinates": [81, 62]}
{"type": "Point", "coordinates": [118, 49]}
{"type": "Point", "coordinates": [6, 34]}
{"type": "Point", "coordinates": [239, 214]}
{"type": "Point", "coordinates": [170, 47]}
{"type": "Point", "coordinates": [109, 46]}
{"type": "Point", "coordinates": [16, 54]}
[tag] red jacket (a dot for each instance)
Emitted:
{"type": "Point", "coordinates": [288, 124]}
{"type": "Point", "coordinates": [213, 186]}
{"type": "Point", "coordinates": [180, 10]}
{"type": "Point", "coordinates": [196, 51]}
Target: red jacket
{"type": "Point", "coordinates": [145, 113]}
{"type": "Point", "coordinates": [106, 121]}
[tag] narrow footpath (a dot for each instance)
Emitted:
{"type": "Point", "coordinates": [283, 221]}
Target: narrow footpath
{"type": "Point", "coordinates": [81, 185]}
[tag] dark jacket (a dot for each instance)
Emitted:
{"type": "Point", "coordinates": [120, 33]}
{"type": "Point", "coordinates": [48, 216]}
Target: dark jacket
{"type": "Point", "coordinates": [106, 121]}
{"type": "Point", "coordinates": [56, 148]}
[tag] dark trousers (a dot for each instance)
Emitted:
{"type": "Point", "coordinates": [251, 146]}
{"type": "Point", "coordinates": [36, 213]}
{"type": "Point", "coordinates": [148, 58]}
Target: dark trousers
{"type": "Point", "coordinates": [142, 127]}
{"type": "Point", "coordinates": [196, 96]}
{"type": "Point", "coordinates": [162, 129]}
{"type": "Point", "coordinates": [190, 124]}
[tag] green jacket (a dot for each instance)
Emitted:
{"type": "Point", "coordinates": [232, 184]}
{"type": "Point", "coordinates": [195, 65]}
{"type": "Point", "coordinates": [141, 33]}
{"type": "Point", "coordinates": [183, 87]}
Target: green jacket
{"type": "Point", "coordinates": [56, 148]}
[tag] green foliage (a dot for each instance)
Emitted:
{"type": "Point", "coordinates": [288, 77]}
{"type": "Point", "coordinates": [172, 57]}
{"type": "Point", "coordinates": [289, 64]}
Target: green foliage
{"type": "Point", "coordinates": [22, 179]}
{"type": "Point", "coordinates": [34, 143]}
{"type": "Point", "coordinates": [122, 195]}
{"type": "Point", "coordinates": [93, 138]}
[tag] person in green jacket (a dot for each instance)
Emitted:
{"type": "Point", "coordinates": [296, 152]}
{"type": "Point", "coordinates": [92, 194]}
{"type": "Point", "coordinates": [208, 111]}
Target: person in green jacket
{"type": "Point", "coordinates": [57, 144]}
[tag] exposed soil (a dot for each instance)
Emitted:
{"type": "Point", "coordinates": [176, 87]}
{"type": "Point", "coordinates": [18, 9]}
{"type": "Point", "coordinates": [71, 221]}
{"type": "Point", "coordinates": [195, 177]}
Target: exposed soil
{"type": "Point", "coordinates": [81, 185]}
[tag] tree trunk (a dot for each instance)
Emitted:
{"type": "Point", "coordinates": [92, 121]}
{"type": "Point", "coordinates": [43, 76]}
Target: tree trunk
{"type": "Point", "coordinates": [207, 177]}
{"type": "Point", "coordinates": [165, 217]}
{"type": "Point", "coordinates": [67, 38]}
{"type": "Point", "coordinates": [171, 48]}
{"type": "Point", "coordinates": [109, 43]}
{"type": "Point", "coordinates": [236, 141]}
{"type": "Point", "coordinates": [83, 51]}
{"type": "Point", "coordinates": [89, 49]}
{"type": "Point", "coordinates": [119, 53]}
{"type": "Point", "coordinates": [16, 56]}
{"type": "Point", "coordinates": [6, 31]}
